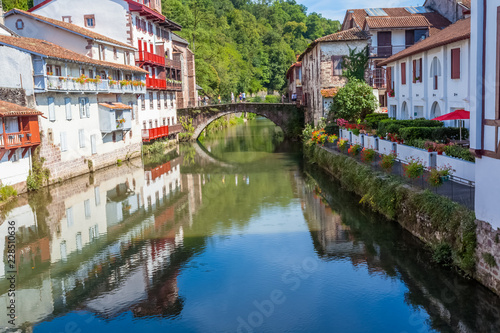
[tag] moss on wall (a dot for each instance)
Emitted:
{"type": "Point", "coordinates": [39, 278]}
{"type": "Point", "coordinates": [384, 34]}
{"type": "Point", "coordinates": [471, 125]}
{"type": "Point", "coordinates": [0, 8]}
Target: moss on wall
{"type": "Point", "coordinates": [436, 220]}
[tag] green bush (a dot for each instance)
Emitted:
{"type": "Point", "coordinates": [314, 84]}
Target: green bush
{"type": "Point", "coordinates": [394, 126]}
{"type": "Point", "coordinates": [353, 101]}
{"type": "Point", "coordinates": [417, 143]}
{"type": "Point", "coordinates": [256, 99]}
{"type": "Point", "coordinates": [272, 99]}
{"type": "Point", "coordinates": [440, 134]}
{"type": "Point", "coordinates": [459, 152]}
{"type": "Point", "coordinates": [7, 191]}
{"type": "Point", "coordinates": [373, 119]}
{"type": "Point", "coordinates": [331, 129]}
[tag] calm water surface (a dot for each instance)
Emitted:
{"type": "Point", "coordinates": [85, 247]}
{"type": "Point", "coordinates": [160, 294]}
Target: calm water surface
{"type": "Point", "coordinates": [234, 235]}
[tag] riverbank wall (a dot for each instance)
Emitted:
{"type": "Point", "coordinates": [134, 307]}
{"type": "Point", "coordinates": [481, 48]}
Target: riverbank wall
{"type": "Point", "coordinates": [449, 229]}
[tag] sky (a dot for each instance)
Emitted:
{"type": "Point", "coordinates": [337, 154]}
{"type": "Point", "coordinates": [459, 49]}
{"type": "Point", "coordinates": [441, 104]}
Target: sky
{"type": "Point", "coordinates": [335, 9]}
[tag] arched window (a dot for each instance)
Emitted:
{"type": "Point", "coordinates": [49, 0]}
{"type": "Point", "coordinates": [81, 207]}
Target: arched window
{"type": "Point", "coordinates": [435, 110]}
{"type": "Point", "coordinates": [435, 72]}
{"type": "Point", "coordinates": [404, 111]}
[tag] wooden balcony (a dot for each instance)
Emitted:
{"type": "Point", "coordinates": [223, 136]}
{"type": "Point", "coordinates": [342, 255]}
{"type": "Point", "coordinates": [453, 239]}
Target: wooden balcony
{"type": "Point", "coordinates": [154, 133]}
{"type": "Point", "coordinates": [73, 84]}
{"type": "Point", "coordinates": [176, 85]}
{"type": "Point", "coordinates": [173, 63]}
{"type": "Point", "coordinates": [153, 83]}
{"type": "Point", "coordinates": [28, 136]}
{"type": "Point", "coordinates": [175, 128]}
{"type": "Point", "coordinates": [149, 58]}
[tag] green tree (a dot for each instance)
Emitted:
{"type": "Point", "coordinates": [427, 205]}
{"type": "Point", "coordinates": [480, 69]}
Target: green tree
{"type": "Point", "coordinates": [353, 101]}
{"type": "Point", "coordinates": [355, 64]}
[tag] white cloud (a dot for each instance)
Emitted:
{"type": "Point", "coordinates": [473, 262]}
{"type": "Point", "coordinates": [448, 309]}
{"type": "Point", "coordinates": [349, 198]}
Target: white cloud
{"type": "Point", "coordinates": [336, 9]}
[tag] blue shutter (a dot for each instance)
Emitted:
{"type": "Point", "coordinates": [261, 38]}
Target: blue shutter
{"type": "Point", "coordinates": [67, 102]}
{"type": "Point", "coordinates": [52, 111]}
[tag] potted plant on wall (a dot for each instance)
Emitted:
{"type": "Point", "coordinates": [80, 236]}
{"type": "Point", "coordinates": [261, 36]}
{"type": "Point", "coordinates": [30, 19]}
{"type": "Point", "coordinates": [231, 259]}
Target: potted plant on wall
{"type": "Point", "coordinates": [387, 161]}
{"type": "Point", "coordinates": [440, 148]}
{"type": "Point", "coordinates": [414, 168]}
{"type": "Point", "coordinates": [439, 175]}
{"type": "Point", "coordinates": [430, 146]}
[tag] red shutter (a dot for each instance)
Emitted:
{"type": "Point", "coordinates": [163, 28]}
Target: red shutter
{"type": "Point", "coordinates": [420, 75]}
{"type": "Point", "coordinates": [414, 71]}
{"type": "Point", "coordinates": [389, 78]}
{"type": "Point", "coordinates": [455, 63]}
{"type": "Point", "coordinates": [403, 73]}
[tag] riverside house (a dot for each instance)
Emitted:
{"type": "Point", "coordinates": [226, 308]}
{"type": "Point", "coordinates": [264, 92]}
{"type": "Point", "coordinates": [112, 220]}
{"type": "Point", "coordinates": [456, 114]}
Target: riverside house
{"type": "Point", "coordinates": [86, 119]}
{"type": "Point", "coordinates": [141, 25]}
{"type": "Point", "coordinates": [431, 78]}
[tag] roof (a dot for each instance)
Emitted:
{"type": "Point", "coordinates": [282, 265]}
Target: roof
{"type": "Point", "coordinates": [466, 3]}
{"type": "Point", "coordinates": [73, 28]}
{"type": "Point", "coordinates": [360, 16]}
{"type": "Point", "coordinates": [341, 36]}
{"type": "Point", "coordinates": [381, 22]}
{"type": "Point", "coordinates": [116, 106]}
{"type": "Point", "coordinates": [458, 31]}
{"type": "Point", "coordinates": [179, 39]}
{"type": "Point", "coordinates": [11, 110]}
{"type": "Point", "coordinates": [50, 50]}
{"type": "Point", "coordinates": [330, 92]}
{"type": "Point", "coordinates": [296, 64]}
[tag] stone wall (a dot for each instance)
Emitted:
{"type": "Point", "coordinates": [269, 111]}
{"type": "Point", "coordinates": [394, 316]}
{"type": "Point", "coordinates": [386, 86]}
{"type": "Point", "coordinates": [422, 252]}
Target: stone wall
{"type": "Point", "coordinates": [488, 242]}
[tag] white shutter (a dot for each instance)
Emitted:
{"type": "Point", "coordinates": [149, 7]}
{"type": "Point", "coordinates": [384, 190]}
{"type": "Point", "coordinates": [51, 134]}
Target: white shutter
{"type": "Point", "coordinates": [52, 111]}
{"type": "Point", "coordinates": [97, 195]}
{"type": "Point", "coordinates": [81, 137]}
{"type": "Point", "coordinates": [81, 102]}
{"type": "Point", "coordinates": [64, 143]}
{"type": "Point", "coordinates": [93, 144]}
{"type": "Point", "coordinates": [87, 107]}
{"type": "Point", "coordinates": [86, 205]}
{"type": "Point", "coordinates": [69, 217]}
{"type": "Point", "coordinates": [67, 101]}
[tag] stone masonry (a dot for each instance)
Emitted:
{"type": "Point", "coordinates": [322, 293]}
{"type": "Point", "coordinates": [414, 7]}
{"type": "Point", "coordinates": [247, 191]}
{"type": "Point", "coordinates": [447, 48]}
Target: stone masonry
{"type": "Point", "coordinates": [488, 242]}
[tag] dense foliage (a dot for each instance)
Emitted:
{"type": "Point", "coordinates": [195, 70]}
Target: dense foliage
{"type": "Point", "coordinates": [394, 126]}
{"type": "Point", "coordinates": [355, 64]}
{"type": "Point", "coordinates": [243, 45]}
{"type": "Point", "coordinates": [353, 101]}
{"type": "Point", "coordinates": [440, 134]}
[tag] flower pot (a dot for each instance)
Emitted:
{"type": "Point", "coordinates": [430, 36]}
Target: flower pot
{"type": "Point", "coordinates": [445, 178]}
{"type": "Point", "coordinates": [429, 150]}
{"type": "Point", "coordinates": [440, 153]}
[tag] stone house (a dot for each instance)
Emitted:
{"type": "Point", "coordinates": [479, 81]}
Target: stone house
{"type": "Point", "coordinates": [294, 83]}
{"type": "Point", "coordinates": [188, 97]}
{"type": "Point", "coordinates": [322, 69]}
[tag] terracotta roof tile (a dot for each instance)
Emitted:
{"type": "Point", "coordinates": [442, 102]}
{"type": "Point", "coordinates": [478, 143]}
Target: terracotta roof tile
{"type": "Point", "coordinates": [455, 32]}
{"type": "Point", "coordinates": [329, 93]}
{"type": "Point", "coordinates": [341, 36]}
{"type": "Point", "coordinates": [379, 22]}
{"type": "Point", "coordinates": [71, 27]}
{"type": "Point", "coordinates": [360, 17]}
{"type": "Point", "coordinates": [11, 110]}
{"type": "Point", "coordinates": [55, 51]}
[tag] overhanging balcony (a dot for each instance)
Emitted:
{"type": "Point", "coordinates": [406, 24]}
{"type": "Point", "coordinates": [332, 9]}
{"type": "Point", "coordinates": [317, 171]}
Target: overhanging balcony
{"type": "Point", "coordinates": [149, 58]}
{"type": "Point", "coordinates": [174, 85]}
{"type": "Point", "coordinates": [154, 133]}
{"type": "Point", "coordinates": [82, 84]}
{"type": "Point", "coordinates": [152, 83]}
{"type": "Point", "coordinates": [173, 63]}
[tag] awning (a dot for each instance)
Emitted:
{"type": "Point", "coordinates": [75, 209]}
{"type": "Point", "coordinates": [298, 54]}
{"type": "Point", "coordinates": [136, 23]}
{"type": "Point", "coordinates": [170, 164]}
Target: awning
{"type": "Point", "coordinates": [198, 87]}
{"type": "Point", "coordinates": [116, 106]}
{"type": "Point", "coordinates": [455, 115]}
{"type": "Point", "coordinates": [329, 93]}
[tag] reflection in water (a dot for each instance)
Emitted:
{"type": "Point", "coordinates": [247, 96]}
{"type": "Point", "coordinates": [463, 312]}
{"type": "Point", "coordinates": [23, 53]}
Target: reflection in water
{"type": "Point", "coordinates": [202, 239]}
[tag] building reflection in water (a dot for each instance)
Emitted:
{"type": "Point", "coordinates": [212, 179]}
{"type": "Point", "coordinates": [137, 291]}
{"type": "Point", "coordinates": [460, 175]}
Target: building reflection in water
{"type": "Point", "coordinates": [102, 243]}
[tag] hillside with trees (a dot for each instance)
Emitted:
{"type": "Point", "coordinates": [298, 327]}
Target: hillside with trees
{"type": "Point", "coordinates": [240, 45]}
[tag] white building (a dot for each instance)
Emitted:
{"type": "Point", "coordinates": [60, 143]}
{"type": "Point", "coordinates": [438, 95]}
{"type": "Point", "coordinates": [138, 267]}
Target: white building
{"type": "Point", "coordinates": [87, 120]}
{"type": "Point", "coordinates": [139, 24]}
{"type": "Point", "coordinates": [485, 107]}
{"type": "Point", "coordinates": [392, 30]}
{"type": "Point", "coordinates": [431, 78]}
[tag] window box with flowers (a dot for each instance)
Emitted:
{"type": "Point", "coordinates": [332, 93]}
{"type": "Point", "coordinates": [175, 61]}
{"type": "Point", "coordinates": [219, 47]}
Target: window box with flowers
{"type": "Point", "coordinates": [391, 93]}
{"type": "Point", "coordinates": [120, 122]}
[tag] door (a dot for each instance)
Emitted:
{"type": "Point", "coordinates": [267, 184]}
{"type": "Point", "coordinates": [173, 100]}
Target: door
{"type": "Point", "coordinates": [409, 38]}
{"type": "Point", "coordinates": [384, 44]}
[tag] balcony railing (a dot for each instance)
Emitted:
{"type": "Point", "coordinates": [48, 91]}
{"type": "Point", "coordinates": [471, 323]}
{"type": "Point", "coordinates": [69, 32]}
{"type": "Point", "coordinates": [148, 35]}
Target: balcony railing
{"type": "Point", "coordinates": [151, 58]}
{"type": "Point", "coordinates": [156, 83]}
{"type": "Point", "coordinates": [386, 51]}
{"type": "Point", "coordinates": [174, 85]}
{"type": "Point", "coordinates": [175, 128]}
{"type": "Point", "coordinates": [173, 63]}
{"type": "Point", "coordinates": [56, 83]}
{"type": "Point", "coordinates": [16, 140]}
{"type": "Point", "coordinates": [154, 133]}
{"type": "Point", "coordinates": [378, 78]}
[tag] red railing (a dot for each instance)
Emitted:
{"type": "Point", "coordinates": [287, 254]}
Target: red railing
{"type": "Point", "coordinates": [156, 83]}
{"type": "Point", "coordinates": [18, 139]}
{"type": "Point", "coordinates": [154, 133]}
{"type": "Point", "coordinates": [145, 56]}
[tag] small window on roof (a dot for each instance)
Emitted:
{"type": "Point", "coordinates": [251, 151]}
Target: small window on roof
{"type": "Point", "coordinates": [66, 19]}
{"type": "Point", "coordinates": [19, 24]}
{"type": "Point", "coordinates": [89, 20]}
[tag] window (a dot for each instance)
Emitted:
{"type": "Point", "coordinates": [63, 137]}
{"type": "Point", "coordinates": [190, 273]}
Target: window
{"type": "Point", "coordinates": [86, 205]}
{"type": "Point", "coordinates": [91, 73]}
{"type": "Point", "coordinates": [57, 70]}
{"type": "Point", "coordinates": [50, 70]}
{"type": "Point", "coordinates": [150, 124]}
{"type": "Point", "coordinates": [133, 110]}
{"type": "Point", "coordinates": [15, 157]}
{"type": "Point", "coordinates": [158, 101]}
{"type": "Point", "coordinates": [164, 121]}
{"type": "Point", "coordinates": [89, 21]}
{"type": "Point", "coordinates": [102, 52]}
{"type": "Point", "coordinates": [165, 100]}
{"type": "Point", "coordinates": [69, 217]}
{"type": "Point", "coordinates": [435, 72]}
{"type": "Point", "coordinates": [64, 142]}
{"type": "Point", "coordinates": [52, 111]}
{"type": "Point", "coordinates": [337, 65]}
{"type": "Point", "coordinates": [151, 100]}
{"type": "Point", "coordinates": [127, 58]}
{"type": "Point", "coordinates": [455, 63]}
{"type": "Point", "coordinates": [168, 121]}
{"type": "Point", "coordinates": [79, 244]}
{"type": "Point", "coordinates": [66, 19]}
{"type": "Point", "coordinates": [19, 24]}
{"type": "Point", "coordinates": [403, 73]}
{"type": "Point", "coordinates": [150, 28]}
{"type": "Point", "coordinates": [84, 107]}
{"type": "Point", "coordinates": [93, 144]}
{"type": "Point", "coordinates": [156, 123]}
{"type": "Point", "coordinates": [97, 195]}
{"type": "Point", "coordinates": [82, 71]}
{"type": "Point", "coordinates": [143, 25]}
{"type": "Point", "coordinates": [81, 137]}
{"type": "Point", "coordinates": [115, 53]}
{"type": "Point", "coordinates": [417, 70]}
{"type": "Point", "coordinates": [137, 23]}
{"type": "Point", "coordinates": [67, 103]}
{"type": "Point", "coordinates": [144, 125]}
{"type": "Point", "coordinates": [143, 102]}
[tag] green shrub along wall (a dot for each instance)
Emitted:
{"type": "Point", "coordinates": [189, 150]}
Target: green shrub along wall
{"type": "Point", "coordinates": [447, 227]}
{"type": "Point", "coordinates": [440, 134]}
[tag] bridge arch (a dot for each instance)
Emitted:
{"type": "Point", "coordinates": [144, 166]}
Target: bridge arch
{"type": "Point", "coordinates": [286, 116]}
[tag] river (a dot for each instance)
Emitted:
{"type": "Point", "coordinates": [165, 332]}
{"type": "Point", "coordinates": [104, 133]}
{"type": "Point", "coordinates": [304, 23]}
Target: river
{"type": "Point", "coordinates": [236, 234]}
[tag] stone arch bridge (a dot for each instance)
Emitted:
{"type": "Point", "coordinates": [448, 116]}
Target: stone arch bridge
{"type": "Point", "coordinates": [289, 117]}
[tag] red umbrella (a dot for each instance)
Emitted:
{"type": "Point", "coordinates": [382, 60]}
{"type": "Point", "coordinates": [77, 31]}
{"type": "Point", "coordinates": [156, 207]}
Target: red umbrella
{"type": "Point", "coordinates": [455, 115]}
